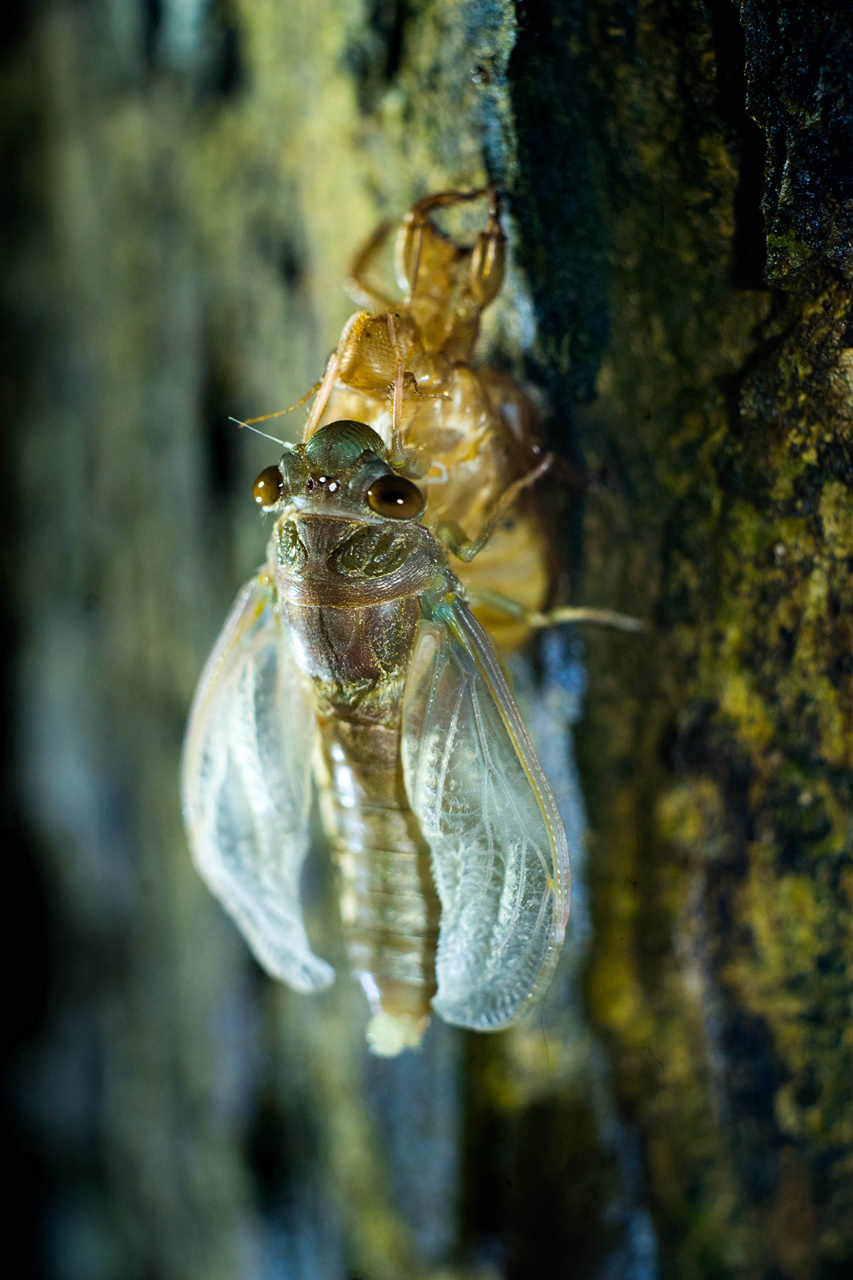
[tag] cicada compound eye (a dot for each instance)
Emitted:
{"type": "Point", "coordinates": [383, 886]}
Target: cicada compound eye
{"type": "Point", "coordinates": [395, 497]}
{"type": "Point", "coordinates": [268, 487]}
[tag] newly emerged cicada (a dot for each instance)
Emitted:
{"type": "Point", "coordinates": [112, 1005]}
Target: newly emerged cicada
{"type": "Point", "coordinates": [353, 656]}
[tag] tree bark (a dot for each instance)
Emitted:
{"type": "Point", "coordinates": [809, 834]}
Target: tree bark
{"type": "Point", "coordinates": [188, 183]}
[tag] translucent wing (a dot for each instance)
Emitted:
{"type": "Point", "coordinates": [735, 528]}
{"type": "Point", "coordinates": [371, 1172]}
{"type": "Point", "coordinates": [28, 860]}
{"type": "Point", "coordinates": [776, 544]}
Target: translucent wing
{"type": "Point", "coordinates": [246, 784]}
{"type": "Point", "coordinates": [499, 853]}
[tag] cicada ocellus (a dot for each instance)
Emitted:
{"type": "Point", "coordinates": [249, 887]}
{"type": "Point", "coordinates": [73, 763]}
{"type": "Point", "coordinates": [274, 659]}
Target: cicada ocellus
{"type": "Point", "coordinates": [353, 654]}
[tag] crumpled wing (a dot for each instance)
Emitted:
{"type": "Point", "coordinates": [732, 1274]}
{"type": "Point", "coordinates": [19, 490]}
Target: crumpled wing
{"type": "Point", "coordinates": [499, 854]}
{"type": "Point", "coordinates": [246, 785]}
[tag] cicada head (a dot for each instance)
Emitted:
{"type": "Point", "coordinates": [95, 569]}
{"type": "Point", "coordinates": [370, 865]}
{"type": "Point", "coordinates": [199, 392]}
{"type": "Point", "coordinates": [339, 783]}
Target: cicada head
{"type": "Point", "coordinates": [348, 528]}
{"type": "Point", "coordinates": [343, 467]}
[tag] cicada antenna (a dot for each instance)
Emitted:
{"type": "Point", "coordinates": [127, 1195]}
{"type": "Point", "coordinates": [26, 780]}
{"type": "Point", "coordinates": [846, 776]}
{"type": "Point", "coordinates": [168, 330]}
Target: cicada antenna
{"type": "Point", "coordinates": [279, 413]}
{"type": "Point", "coordinates": [256, 431]}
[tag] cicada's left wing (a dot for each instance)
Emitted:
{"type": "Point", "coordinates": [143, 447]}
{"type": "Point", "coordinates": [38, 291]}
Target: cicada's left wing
{"type": "Point", "coordinates": [499, 853]}
{"type": "Point", "coordinates": [246, 784]}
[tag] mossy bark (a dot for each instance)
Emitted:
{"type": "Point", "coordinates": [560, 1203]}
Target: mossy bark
{"type": "Point", "coordinates": [191, 182]}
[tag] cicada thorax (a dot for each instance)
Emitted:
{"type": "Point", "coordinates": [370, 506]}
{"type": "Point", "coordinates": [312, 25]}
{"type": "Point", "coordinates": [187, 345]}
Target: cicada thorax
{"type": "Point", "coordinates": [357, 654]}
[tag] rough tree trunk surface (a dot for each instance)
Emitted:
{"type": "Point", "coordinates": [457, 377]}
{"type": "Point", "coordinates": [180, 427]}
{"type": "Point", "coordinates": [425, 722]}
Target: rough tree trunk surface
{"type": "Point", "coordinates": [190, 182]}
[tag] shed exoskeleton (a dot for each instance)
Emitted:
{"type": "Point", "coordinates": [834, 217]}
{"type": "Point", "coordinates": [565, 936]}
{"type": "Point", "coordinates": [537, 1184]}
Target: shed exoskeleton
{"type": "Point", "coordinates": [407, 368]}
{"type": "Point", "coordinates": [352, 657]}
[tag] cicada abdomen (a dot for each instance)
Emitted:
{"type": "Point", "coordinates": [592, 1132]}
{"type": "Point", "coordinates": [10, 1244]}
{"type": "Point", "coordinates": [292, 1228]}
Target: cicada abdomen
{"type": "Point", "coordinates": [389, 905]}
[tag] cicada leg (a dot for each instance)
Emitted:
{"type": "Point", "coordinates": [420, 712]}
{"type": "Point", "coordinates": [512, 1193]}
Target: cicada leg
{"type": "Point", "coordinates": [397, 400]}
{"type": "Point", "coordinates": [552, 617]}
{"type": "Point", "coordinates": [357, 286]}
{"type": "Point", "coordinates": [324, 391]}
{"type": "Point", "coordinates": [279, 413]}
{"type": "Point", "coordinates": [487, 261]}
{"type": "Point", "coordinates": [465, 548]}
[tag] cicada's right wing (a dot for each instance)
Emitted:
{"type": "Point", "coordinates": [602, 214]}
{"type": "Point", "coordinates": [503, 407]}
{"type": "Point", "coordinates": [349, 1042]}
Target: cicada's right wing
{"type": "Point", "coordinates": [499, 853]}
{"type": "Point", "coordinates": [246, 784]}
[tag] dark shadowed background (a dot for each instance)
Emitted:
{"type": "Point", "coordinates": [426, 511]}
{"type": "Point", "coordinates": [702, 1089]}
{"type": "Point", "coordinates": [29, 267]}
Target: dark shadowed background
{"type": "Point", "coordinates": [184, 184]}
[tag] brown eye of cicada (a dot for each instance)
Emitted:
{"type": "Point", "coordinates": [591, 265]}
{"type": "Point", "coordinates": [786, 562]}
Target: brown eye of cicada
{"type": "Point", "coordinates": [268, 487]}
{"type": "Point", "coordinates": [396, 497]}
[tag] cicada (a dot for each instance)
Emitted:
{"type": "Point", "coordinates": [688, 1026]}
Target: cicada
{"type": "Point", "coordinates": [352, 657]}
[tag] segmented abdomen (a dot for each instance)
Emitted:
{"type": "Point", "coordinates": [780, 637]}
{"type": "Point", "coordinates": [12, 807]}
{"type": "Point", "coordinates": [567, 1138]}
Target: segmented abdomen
{"type": "Point", "coordinates": [389, 905]}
